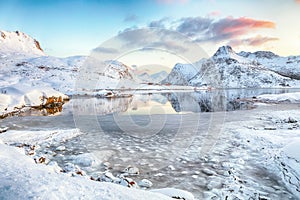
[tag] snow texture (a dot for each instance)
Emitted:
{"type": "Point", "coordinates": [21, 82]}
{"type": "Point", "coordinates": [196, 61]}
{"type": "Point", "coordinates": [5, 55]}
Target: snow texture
{"type": "Point", "coordinates": [21, 178]}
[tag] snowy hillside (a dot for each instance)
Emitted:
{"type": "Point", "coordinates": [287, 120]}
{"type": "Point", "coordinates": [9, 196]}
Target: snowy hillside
{"type": "Point", "coordinates": [46, 71]}
{"type": "Point", "coordinates": [23, 63]}
{"type": "Point", "coordinates": [181, 74]}
{"type": "Point", "coordinates": [19, 43]}
{"type": "Point", "coordinates": [25, 68]}
{"type": "Point", "coordinates": [228, 69]}
{"type": "Point", "coordinates": [285, 66]}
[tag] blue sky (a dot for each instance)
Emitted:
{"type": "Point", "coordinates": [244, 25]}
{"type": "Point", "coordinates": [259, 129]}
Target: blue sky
{"type": "Point", "coordinates": [75, 27]}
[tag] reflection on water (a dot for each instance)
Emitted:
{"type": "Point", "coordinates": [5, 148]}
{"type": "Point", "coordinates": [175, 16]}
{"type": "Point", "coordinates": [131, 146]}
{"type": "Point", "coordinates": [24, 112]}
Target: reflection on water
{"type": "Point", "coordinates": [100, 106]}
{"type": "Point", "coordinates": [160, 103]}
{"type": "Point", "coordinates": [47, 111]}
{"type": "Point", "coordinates": [173, 102]}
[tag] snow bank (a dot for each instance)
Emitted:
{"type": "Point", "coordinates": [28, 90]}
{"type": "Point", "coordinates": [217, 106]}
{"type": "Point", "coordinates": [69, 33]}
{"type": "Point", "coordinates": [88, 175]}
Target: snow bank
{"type": "Point", "coordinates": [21, 178]}
{"type": "Point", "coordinates": [38, 137]}
{"type": "Point", "coordinates": [286, 97]}
{"type": "Point", "coordinates": [175, 193]}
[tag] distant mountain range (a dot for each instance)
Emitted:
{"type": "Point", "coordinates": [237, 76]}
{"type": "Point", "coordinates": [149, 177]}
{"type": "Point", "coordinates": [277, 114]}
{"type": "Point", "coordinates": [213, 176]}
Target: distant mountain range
{"type": "Point", "coordinates": [153, 78]}
{"type": "Point", "coordinates": [228, 69]}
{"type": "Point", "coordinates": [23, 62]}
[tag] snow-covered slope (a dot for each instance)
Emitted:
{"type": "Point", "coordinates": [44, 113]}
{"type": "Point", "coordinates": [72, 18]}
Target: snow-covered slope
{"type": "Point", "coordinates": [19, 43]}
{"type": "Point", "coordinates": [97, 75]}
{"type": "Point", "coordinates": [286, 66]}
{"type": "Point", "coordinates": [227, 69]}
{"type": "Point", "coordinates": [24, 64]}
{"type": "Point", "coordinates": [181, 74]}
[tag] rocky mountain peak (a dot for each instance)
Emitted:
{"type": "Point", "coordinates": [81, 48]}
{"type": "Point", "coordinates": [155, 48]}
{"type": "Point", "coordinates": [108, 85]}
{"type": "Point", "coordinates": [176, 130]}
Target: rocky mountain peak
{"type": "Point", "coordinates": [224, 51]}
{"type": "Point", "coordinates": [19, 42]}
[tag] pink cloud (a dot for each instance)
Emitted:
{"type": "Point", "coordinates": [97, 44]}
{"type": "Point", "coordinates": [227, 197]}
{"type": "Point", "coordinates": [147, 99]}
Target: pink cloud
{"type": "Point", "coordinates": [206, 28]}
{"type": "Point", "coordinates": [234, 27]}
{"type": "Point", "coordinates": [254, 41]}
{"type": "Point", "coordinates": [297, 1]}
{"type": "Point", "coordinates": [243, 25]}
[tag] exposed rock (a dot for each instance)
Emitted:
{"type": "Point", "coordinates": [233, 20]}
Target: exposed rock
{"type": "Point", "coordinates": [270, 128]}
{"type": "Point", "coordinates": [290, 120]}
{"type": "Point", "coordinates": [38, 46]}
{"type": "Point", "coordinates": [3, 35]}
{"type": "Point", "coordinates": [4, 129]}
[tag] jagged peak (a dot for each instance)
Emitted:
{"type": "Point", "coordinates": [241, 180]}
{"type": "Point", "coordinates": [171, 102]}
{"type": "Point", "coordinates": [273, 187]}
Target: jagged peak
{"type": "Point", "coordinates": [224, 51]}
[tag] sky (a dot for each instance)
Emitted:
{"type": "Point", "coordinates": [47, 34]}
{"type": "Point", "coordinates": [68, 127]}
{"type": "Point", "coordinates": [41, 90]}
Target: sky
{"type": "Point", "coordinates": [76, 27]}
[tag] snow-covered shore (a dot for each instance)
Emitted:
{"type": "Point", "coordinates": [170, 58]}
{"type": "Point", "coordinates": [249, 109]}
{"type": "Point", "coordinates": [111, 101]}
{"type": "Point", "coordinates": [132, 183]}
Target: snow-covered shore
{"type": "Point", "coordinates": [21, 178]}
{"type": "Point", "coordinates": [271, 132]}
{"type": "Point", "coordinates": [26, 174]}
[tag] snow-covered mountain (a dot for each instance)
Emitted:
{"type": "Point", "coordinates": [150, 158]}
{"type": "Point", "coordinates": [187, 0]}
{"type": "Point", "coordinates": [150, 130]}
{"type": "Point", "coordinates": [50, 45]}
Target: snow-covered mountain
{"type": "Point", "coordinates": [285, 66]}
{"type": "Point", "coordinates": [19, 43]}
{"type": "Point", "coordinates": [228, 69]}
{"type": "Point", "coordinates": [24, 64]}
{"type": "Point", "coordinates": [181, 74]}
{"type": "Point", "coordinates": [145, 77]}
{"type": "Point", "coordinates": [159, 76]}
{"type": "Point", "coordinates": [153, 78]}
